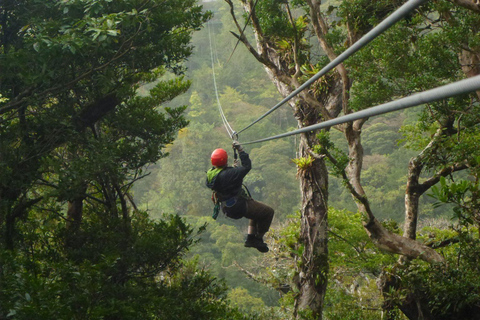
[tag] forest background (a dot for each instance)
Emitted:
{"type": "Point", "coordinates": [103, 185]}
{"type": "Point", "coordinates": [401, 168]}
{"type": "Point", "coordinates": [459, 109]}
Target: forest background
{"type": "Point", "coordinates": [245, 93]}
{"type": "Point", "coordinates": [79, 134]}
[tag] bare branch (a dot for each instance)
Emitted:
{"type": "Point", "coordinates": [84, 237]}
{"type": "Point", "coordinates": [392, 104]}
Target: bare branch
{"type": "Point", "coordinates": [442, 244]}
{"type": "Point", "coordinates": [250, 48]}
{"type": "Point", "coordinates": [296, 43]}
{"type": "Point", "coordinates": [242, 37]}
{"type": "Point", "coordinates": [381, 237]}
{"type": "Point", "coordinates": [360, 198]}
{"type": "Point", "coordinates": [442, 173]}
{"type": "Point", "coordinates": [249, 274]}
{"type": "Point", "coordinates": [283, 288]}
{"type": "Point", "coordinates": [321, 29]}
{"type": "Point", "coordinates": [473, 5]}
{"type": "Point", "coordinates": [89, 196]}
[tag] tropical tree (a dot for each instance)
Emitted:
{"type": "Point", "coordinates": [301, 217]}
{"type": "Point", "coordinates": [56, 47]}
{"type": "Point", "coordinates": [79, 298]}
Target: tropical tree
{"type": "Point", "coordinates": [436, 44]}
{"type": "Point", "coordinates": [110, 276]}
{"type": "Point", "coordinates": [72, 126]}
{"type": "Point", "coordinates": [74, 137]}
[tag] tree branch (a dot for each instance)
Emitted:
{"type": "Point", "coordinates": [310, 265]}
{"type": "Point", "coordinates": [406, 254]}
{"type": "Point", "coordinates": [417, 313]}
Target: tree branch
{"type": "Point", "coordinates": [381, 237]}
{"type": "Point", "coordinates": [95, 111]}
{"type": "Point", "coordinates": [473, 5]}
{"type": "Point", "coordinates": [423, 187]}
{"type": "Point", "coordinates": [296, 43]}
{"type": "Point", "coordinates": [360, 198]}
{"type": "Point", "coordinates": [242, 37]}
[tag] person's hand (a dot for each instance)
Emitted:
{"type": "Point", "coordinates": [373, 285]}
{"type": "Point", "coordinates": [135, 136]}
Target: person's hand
{"type": "Point", "coordinates": [236, 163]}
{"type": "Point", "coordinates": [237, 146]}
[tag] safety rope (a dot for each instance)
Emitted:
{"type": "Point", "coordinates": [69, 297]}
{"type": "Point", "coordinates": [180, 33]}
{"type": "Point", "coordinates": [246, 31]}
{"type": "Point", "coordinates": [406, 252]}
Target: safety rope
{"type": "Point", "coordinates": [439, 93]}
{"type": "Point", "coordinates": [231, 133]}
{"type": "Point", "coordinates": [367, 38]}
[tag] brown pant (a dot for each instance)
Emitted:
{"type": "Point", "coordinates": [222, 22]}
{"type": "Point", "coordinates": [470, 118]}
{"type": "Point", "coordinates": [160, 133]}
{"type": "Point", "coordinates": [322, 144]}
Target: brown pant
{"type": "Point", "coordinates": [260, 215]}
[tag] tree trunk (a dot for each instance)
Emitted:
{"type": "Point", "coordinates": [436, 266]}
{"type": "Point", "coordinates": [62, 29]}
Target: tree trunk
{"type": "Point", "coordinates": [74, 220]}
{"type": "Point", "coordinates": [470, 62]}
{"type": "Point", "coordinates": [313, 268]}
{"type": "Point", "coordinates": [412, 198]}
{"type": "Point", "coordinates": [312, 278]}
{"type": "Point", "coordinates": [74, 214]}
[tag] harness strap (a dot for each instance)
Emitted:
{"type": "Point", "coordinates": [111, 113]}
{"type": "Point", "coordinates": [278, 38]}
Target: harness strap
{"type": "Point", "coordinates": [248, 191]}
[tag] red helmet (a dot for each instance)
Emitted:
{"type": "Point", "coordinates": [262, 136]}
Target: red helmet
{"type": "Point", "coordinates": [219, 157]}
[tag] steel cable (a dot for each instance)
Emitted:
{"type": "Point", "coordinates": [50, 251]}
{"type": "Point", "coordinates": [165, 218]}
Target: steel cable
{"type": "Point", "coordinates": [227, 126]}
{"type": "Point", "coordinates": [372, 34]}
{"type": "Point", "coordinates": [439, 93]}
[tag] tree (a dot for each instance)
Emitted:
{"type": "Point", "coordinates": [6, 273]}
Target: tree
{"type": "Point", "coordinates": [103, 280]}
{"type": "Point", "coordinates": [177, 182]}
{"type": "Point", "coordinates": [280, 47]}
{"type": "Point", "coordinates": [72, 126]}
{"type": "Point", "coordinates": [409, 59]}
{"type": "Point", "coordinates": [443, 142]}
{"type": "Point", "coordinates": [74, 138]}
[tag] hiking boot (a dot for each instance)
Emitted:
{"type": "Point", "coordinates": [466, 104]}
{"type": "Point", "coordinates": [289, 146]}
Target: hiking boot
{"type": "Point", "coordinates": [254, 242]}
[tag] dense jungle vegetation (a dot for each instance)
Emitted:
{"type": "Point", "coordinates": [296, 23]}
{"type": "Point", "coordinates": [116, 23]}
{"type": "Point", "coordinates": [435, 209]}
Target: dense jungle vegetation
{"type": "Point", "coordinates": [108, 116]}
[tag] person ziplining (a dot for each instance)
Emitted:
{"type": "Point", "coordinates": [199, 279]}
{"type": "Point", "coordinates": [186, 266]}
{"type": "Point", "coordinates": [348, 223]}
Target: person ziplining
{"type": "Point", "coordinates": [226, 182]}
{"type": "Point", "coordinates": [235, 202]}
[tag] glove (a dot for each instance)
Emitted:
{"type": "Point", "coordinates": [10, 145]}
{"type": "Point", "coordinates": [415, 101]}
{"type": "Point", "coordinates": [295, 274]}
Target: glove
{"type": "Point", "coordinates": [237, 146]}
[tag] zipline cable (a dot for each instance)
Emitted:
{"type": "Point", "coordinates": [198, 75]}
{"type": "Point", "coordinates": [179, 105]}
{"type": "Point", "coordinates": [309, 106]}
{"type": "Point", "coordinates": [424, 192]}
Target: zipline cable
{"type": "Point", "coordinates": [439, 93]}
{"type": "Point", "coordinates": [380, 28]}
{"type": "Point", "coordinates": [227, 126]}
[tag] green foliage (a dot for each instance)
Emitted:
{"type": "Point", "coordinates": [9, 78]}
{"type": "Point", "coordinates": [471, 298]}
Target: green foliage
{"type": "Point", "coordinates": [384, 182]}
{"type": "Point", "coordinates": [463, 194]}
{"type": "Point", "coordinates": [417, 136]}
{"type": "Point", "coordinates": [71, 121]}
{"type": "Point", "coordinates": [268, 185]}
{"type": "Point", "coordinates": [450, 289]}
{"type": "Point", "coordinates": [241, 298]}
{"type": "Point", "coordinates": [355, 264]}
{"type": "Point", "coordinates": [341, 305]}
{"type": "Point", "coordinates": [139, 274]}
{"type": "Point", "coordinates": [75, 136]}
{"type": "Point", "coordinates": [392, 56]}
{"type": "Point", "coordinates": [221, 250]}
{"type": "Point", "coordinates": [379, 139]}
{"type": "Point", "coordinates": [350, 247]}
{"type": "Point", "coordinates": [274, 19]}
{"type": "Point", "coordinates": [354, 261]}
{"type": "Point", "coordinates": [337, 159]}
{"type": "Point", "coordinates": [304, 162]}
{"type": "Point", "coordinates": [362, 15]}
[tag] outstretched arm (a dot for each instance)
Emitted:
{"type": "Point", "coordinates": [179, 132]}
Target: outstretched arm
{"type": "Point", "coordinates": [244, 158]}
